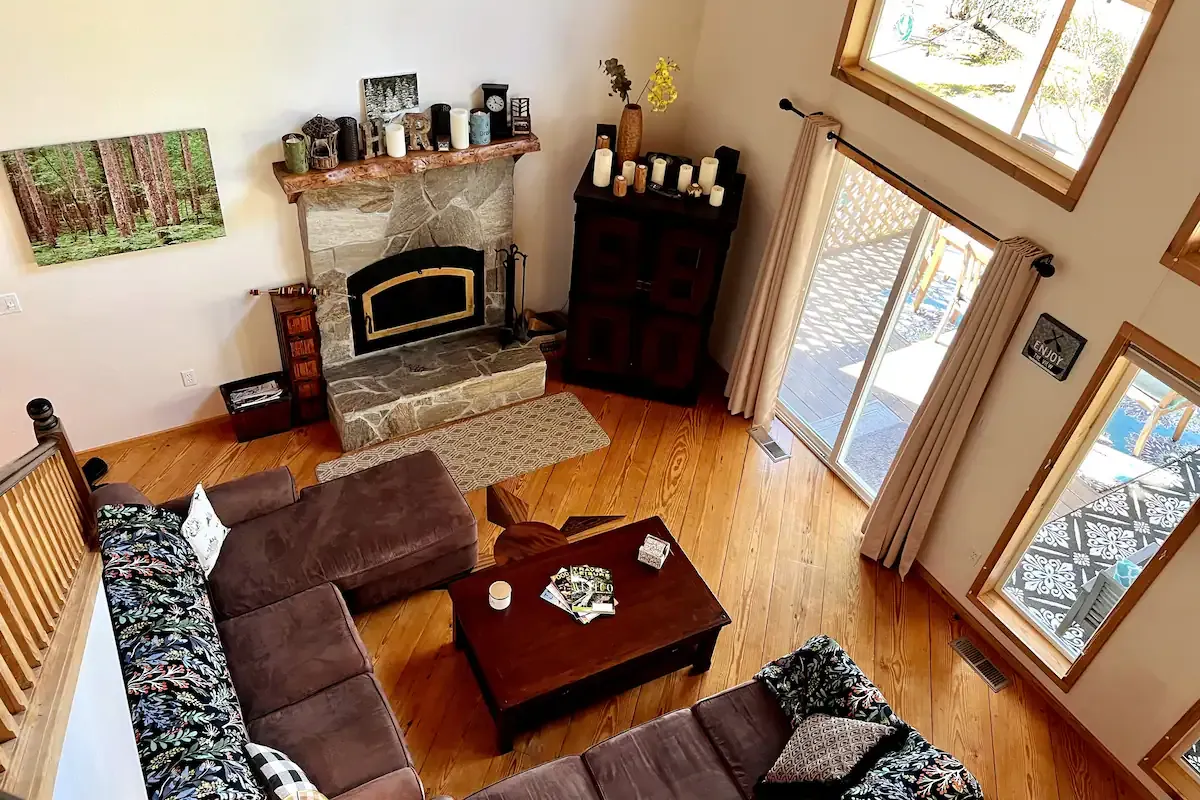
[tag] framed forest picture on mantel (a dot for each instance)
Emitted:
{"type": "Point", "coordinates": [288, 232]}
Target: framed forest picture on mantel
{"type": "Point", "coordinates": [90, 199]}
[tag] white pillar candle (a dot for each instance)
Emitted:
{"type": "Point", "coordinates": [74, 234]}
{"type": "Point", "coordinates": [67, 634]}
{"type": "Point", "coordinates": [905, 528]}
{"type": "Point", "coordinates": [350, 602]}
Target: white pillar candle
{"type": "Point", "coordinates": [717, 197]}
{"type": "Point", "coordinates": [460, 128]}
{"type": "Point", "coordinates": [708, 174]}
{"type": "Point", "coordinates": [685, 177]}
{"type": "Point", "coordinates": [629, 171]}
{"type": "Point", "coordinates": [602, 171]}
{"type": "Point", "coordinates": [394, 140]}
{"type": "Point", "coordinates": [658, 175]}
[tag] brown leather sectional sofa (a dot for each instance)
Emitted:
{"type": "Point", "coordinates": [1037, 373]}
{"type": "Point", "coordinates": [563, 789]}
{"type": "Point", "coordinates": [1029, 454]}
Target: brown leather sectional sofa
{"type": "Point", "coordinates": [302, 675]}
{"type": "Point", "coordinates": [718, 750]}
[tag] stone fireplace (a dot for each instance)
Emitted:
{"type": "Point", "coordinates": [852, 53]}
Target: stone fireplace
{"type": "Point", "coordinates": [413, 289]}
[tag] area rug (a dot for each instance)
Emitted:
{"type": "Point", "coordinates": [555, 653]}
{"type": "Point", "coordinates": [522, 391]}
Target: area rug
{"type": "Point", "coordinates": [485, 450]}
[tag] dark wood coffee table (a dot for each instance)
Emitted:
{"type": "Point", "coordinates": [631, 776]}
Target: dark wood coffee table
{"type": "Point", "coordinates": [534, 662]}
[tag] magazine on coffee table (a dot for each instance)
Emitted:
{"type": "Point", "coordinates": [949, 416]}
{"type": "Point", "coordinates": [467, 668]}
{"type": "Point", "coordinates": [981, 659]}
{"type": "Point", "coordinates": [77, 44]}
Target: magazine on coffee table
{"type": "Point", "coordinates": [584, 592]}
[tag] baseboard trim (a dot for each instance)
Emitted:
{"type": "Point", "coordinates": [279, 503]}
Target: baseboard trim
{"type": "Point", "coordinates": [998, 651]}
{"type": "Point", "coordinates": [207, 422]}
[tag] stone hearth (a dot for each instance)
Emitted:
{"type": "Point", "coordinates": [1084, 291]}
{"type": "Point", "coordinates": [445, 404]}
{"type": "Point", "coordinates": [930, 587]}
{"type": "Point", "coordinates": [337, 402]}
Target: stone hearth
{"type": "Point", "coordinates": [425, 384]}
{"type": "Point", "coordinates": [352, 224]}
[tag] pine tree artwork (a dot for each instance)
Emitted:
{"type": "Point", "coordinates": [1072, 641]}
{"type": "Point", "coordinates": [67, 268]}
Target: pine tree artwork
{"type": "Point", "coordinates": [388, 97]}
{"type": "Point", "coordinates": [90, 199]}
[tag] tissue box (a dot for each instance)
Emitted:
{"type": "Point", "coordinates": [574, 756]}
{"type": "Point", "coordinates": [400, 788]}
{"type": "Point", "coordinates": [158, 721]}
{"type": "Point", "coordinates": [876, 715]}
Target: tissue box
{"type": "Point", "coordinates": [654, 552]}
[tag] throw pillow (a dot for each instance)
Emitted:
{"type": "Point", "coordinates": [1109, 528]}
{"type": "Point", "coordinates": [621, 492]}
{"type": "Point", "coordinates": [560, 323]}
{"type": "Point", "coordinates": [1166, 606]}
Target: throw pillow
{"type": "Point", "coordinates": [204, 531]}
{"type": "Point", "coordinates": [826, 755]}
{"type": "Point", "coordinates": [283, 777]}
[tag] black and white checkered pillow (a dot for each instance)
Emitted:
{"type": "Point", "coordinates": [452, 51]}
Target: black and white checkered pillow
{"type": "Point", "coordinates": [283, 777]}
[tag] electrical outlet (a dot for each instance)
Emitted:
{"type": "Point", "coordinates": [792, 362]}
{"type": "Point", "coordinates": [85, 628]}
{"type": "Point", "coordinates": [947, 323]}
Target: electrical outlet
{"type": "Point", "coordinates": [9, 304]}
{"type": "Point", "coordinates": [189, 377]}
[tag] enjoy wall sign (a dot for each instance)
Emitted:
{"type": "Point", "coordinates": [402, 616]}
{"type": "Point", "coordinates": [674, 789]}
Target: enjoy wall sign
{"type": "Point", "coordinates": [1054, 347]}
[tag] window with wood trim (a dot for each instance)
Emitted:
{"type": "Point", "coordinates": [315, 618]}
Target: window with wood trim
{"type": "Point", "coordinates": [1034, 87]}
{"type": "Point", "coordinates": [1174, 763]}
{"type": "Point", "coordinates": [1111, 504]}
{"type": "Point", "coordinates": [1183, 256]}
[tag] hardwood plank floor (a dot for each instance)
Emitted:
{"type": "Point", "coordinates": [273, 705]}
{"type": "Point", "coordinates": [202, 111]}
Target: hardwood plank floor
{"type": "Point", "coordinates": [779, 544]}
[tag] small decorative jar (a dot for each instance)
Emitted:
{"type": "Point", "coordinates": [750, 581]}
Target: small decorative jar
{"type": "Point", "coordinates": [295, 153]}
{"type": "Point", "coordinates": [481, 127]}
{"type": "Point", "coordinates": [500, 595]}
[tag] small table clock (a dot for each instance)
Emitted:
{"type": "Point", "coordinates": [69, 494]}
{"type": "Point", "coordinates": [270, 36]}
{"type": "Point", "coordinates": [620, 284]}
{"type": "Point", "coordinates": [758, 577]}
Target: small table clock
{"type": "Point", "coordinates": [495, 100]}
{"type": "Point", "coordinates": [1054, 347]}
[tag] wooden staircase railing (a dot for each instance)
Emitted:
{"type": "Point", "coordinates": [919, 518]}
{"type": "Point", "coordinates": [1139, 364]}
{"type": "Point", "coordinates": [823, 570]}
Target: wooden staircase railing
{"type": "Point", "coordinates": [49, 569]}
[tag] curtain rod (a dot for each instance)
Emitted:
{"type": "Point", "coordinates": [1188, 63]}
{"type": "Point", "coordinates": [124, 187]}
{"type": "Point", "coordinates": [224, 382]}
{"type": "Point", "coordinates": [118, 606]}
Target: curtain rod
{"type": "Point", "coordinates": [1044, 265]}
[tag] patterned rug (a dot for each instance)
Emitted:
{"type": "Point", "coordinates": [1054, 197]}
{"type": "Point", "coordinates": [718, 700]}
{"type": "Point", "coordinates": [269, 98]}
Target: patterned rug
{"type": "Point", "coordinates": [1068, 551]}
{"type": "Point", "coordinates": [485, 450]}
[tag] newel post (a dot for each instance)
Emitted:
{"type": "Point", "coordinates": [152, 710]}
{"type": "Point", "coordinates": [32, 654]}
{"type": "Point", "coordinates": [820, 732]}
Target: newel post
{"type": "Point", "coordinates": [47, 426]}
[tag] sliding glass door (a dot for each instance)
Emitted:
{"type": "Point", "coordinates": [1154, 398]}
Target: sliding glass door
{"type": "Point", "coordinates": [885, 296]}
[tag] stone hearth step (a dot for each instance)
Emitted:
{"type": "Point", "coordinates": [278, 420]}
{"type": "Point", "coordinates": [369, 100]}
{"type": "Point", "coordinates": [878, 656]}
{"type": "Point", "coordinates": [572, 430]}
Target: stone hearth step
{"type": "Point", "coordinates": [429, 383]}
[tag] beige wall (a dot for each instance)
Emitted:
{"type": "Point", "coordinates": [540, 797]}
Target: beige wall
{"type": "Point", "coordinates": [105, 340]}
{"type": "Point", "coordinates": [755, 51]}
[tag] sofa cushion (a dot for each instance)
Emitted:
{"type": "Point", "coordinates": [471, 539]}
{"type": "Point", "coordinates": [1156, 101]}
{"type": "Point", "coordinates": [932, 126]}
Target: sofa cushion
{"type": "Point", "coordinates": [245, 498]}
{"type": "Point", "coordinates": [401, 515]}
{"type": "Point", "coordinates": [187, 724]}
{"type": "Point", "coordinates": [402, 784]}
{"type": "Point", "coordinates": [341, 737]}
{"type": "Point", "coordinates": [565, 778]}
{"type": "Point", "coordinates": [669, 757]}
{"type": "Point", "coordinates": [290, 650]}
{"type": "Point", "coordinates": [747, 728]}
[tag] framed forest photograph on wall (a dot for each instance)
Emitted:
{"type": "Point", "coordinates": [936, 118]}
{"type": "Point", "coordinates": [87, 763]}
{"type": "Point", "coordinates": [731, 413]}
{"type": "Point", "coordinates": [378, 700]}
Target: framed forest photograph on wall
{"type": "Point", "coordinates": [91, 199]}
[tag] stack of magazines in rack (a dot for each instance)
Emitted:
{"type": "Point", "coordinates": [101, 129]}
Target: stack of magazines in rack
{"type": "Point", "coordinates": [255, 395]}
{"type": "Point", "coordinates": [583, 592]}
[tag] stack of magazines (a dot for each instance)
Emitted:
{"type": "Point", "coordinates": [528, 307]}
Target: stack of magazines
{"type": "Point", "coordinates": [583, 592]}
{"type": "Point", "coordinates": [255, 395]}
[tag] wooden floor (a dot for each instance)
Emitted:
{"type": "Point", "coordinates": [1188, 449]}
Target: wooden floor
{"type": "Point", "coordinates": [777, 542]}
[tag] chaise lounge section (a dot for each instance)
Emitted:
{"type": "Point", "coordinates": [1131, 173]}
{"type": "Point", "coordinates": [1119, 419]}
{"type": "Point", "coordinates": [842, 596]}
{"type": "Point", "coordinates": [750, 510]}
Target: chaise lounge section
{"type": "Point", "coordinates": [271, 622]}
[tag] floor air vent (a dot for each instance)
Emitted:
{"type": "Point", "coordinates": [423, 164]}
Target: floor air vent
{"type": "Point", "coordinates": [987, 669]}
{"type": "Point", "coordinates": [767, 442]}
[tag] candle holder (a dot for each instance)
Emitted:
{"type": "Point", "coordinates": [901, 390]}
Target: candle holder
{"type": "Point", "coordinates": [295, 153]}
{"type": "Point", "coordinates": [481, 127]}
{"type": "Point", "coordinates": [322, 136]}
{"type": "Point", "coordinates": [620, 186]}
{"type": "Point", "coordinates": [500, 595]}
{"type": "Point", "coordinates": [349, 139]}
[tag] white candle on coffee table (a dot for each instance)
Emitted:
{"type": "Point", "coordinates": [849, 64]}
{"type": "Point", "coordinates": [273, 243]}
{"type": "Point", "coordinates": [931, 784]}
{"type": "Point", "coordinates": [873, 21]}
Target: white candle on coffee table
{"type": "Point", "coordinates": [658, 175]}
{"type": "Point", "coordinates": [602, 171]}
{"type": "Point", "coordinates": [460, 128]}
{"type": "Point", "coordinates": [708, 174]}
{"type": "Point", "coordinates": [499, 595]}
{"type": "Point", "coordinates": [685, 177]}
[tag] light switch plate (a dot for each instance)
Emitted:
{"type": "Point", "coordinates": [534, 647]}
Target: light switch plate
{"type": "Point", "coordinates": [9, 304]}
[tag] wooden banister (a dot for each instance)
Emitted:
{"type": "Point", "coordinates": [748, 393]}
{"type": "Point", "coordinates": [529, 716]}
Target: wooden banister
{"type": "Point", "coordinates": [49, 571]}
{"type": "Point", "coordinates": [48, 427]}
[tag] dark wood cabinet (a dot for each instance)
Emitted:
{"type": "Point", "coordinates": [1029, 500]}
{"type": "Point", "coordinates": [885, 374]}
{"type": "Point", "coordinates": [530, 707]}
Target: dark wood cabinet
{"type": "Point", "coordinates": [300, 354]}
{"type": "Point", "coordinates": [644, 283]}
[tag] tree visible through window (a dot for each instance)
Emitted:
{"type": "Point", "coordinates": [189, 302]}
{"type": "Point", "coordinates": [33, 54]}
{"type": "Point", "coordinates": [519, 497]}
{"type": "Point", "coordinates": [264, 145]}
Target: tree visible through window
{"type": "Point", "coordinates": [1041, 71]}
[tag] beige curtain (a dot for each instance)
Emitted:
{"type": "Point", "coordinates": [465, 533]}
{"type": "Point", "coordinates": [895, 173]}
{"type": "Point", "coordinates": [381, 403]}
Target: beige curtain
{"type": "Point", "coordinates": [774, 312]}
{"type": "Point", "coordinates": [897, 523]}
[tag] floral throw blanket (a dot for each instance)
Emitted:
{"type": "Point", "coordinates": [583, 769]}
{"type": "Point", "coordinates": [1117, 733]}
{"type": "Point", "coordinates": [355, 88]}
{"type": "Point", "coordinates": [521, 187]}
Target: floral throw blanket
{"type": "Point", "coordinates": [821, 678]}
{"type": "Point", "coordinates": [186, 719]}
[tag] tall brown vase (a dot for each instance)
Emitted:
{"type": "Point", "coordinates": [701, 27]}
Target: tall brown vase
{"type": "Point", "coordinates": [629, 138]}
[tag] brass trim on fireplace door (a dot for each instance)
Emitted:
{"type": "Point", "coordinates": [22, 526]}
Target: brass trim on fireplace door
{"type": "Point", "coordinates": [468, 277]}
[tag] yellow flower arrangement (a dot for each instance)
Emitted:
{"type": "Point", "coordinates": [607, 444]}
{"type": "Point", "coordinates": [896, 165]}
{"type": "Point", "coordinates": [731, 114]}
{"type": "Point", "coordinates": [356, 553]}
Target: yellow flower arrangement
{"type": "Point", "coordinates": [662, 85]}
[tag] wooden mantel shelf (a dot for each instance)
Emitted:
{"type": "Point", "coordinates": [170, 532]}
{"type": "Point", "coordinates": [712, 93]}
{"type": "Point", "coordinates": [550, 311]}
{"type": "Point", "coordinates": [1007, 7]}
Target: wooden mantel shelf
{"type": "Point", "coordinates": [412, 164]}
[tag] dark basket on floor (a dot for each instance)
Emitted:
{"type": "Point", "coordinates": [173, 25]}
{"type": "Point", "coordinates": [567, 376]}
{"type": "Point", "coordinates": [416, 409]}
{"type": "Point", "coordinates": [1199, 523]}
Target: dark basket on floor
{"type": "Point", "coordinates": [264, 419]}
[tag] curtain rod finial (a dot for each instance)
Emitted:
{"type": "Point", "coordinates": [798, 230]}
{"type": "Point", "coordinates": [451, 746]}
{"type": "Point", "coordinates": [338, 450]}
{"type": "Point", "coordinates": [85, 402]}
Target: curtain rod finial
{"type": "Point", "coordinates": [1045, 266]}
{"type": "Point", "coordinates": [786, 104]}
